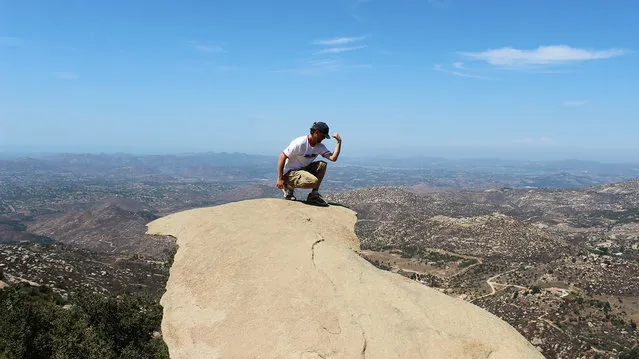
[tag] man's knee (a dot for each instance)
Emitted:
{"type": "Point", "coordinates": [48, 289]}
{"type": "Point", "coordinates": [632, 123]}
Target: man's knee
{"type": "Point", "coordinates": [308, 180]}
{"type": "Point", "coordinates": [313, 181]}
{"type": "Point", "coordinates": [302, 179]}
{"type": "Point", "coordinates": [321, 166]}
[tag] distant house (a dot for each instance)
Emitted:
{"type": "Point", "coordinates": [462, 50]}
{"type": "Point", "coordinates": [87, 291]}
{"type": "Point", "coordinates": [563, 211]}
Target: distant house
{"type": "Point", "coordinates": [560, 292]}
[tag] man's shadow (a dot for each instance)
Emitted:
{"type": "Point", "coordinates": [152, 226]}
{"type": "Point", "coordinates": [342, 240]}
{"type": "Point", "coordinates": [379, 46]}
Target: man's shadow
{"type": "Point", "coordinates": [328, 204]}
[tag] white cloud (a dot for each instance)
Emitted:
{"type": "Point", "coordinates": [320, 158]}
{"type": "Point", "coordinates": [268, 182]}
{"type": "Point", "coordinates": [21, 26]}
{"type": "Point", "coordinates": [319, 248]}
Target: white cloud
{"type": "Point", "coordinates": [66, 75]}
{"type": "Point", "coordinates": [339, 40]}
{"type": "Point", "coordinates": [336, 50]}
{"type": "Point", "coordinates": [461, 74]}
{"type": "Point", "coordinates": [574, 103]}
{"type": "Point", "coordinates": [355, 6]}
{"type": "Point", "coordinates": [545, 140]}
{"type": "Point", "coordinates": [458, 65]}
{"type": "Point", "coordinates": [357, 17]}
{"type": "Point", "coordinates": [330, 58]}
{"type": "Point", "coordinates": [525, 140]}
{"type": "Point", "coordinates": [543, 55]}
{"type": "Point", "coordinates": [541, 71]}
{"type": "Point", "coordinates": [315, 68]}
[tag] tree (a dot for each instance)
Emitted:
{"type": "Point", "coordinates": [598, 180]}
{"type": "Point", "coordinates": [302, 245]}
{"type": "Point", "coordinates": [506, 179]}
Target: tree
{"type": "Point", "coordinates": [631, 354]}
{"type": "Point", "coordinates": [25, 321]}
{"type": "Point", "coordinates": [33, 324]}
{"type": "Point", "coordinates": [536, 289]}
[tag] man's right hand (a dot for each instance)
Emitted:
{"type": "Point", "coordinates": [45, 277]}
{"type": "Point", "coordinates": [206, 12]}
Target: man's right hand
{"type": "Point", "coordinates": [280, 183]}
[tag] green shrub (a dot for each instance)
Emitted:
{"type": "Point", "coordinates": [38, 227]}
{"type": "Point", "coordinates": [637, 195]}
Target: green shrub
{"type": "Point", "coordinates": [26, 321]}
{"type": "Point", "coordinates": [33, 324]}
{"type": "Point", "coordinates": [631, 354]}
{"type": "Point", "coordinates": [536, 289]}
{"type": "Point", "coordinates": [468, 262]}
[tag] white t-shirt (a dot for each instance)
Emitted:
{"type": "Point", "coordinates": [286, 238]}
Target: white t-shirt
{"type": "Point", "coordinates": [300, 153]}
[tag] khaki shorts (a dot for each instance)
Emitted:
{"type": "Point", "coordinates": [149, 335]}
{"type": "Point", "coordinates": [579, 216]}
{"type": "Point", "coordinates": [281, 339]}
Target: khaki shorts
{"type": "Point", "coordinates": [304, 177]}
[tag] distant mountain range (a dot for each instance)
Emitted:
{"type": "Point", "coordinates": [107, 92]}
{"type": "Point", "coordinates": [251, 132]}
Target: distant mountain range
{"type": "Point", "coordinates": [347, 173]}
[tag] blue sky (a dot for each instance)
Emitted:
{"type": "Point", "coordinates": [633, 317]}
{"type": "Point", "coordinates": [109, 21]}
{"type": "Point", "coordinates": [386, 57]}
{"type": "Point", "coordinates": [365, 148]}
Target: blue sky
{"type": "Point", "coordinates": [392, 77]}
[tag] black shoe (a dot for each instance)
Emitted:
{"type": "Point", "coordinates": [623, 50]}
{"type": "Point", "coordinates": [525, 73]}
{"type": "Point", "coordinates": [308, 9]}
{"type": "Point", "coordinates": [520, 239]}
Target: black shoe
{"type": "Point", "coordinates": [316, 199]}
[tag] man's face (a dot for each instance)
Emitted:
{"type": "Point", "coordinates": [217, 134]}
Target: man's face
{"type": "Point", "coordinates": [318, 136]}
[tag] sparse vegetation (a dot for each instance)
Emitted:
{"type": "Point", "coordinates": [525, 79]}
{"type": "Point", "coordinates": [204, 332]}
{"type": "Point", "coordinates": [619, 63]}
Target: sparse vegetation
{"type": "Point", "coordinates": [13, 225]}
{"type": "Point", "coordinates": [628, 215]}
{"type": "Point", "coordinates": [379, 264]}
{"type": "Point", "coordinates": [535, 289]}
{"type": "Point", "coordinates": [630, 354]}
{"type": "Point", "coordinates": [437, 257]}
{"type": "Point", "coordinates": [468, 262]}
{"type": "Point", "coordinates": [601, 251]}
{"type": "Point", "coordinates": [603, 305]}
{"type": "Point", "coordinates": [146, 215]}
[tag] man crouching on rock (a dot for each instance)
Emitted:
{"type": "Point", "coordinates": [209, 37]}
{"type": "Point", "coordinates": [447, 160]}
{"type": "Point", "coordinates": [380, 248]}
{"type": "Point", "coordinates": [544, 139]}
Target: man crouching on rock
{"type": "Point", "coordinates": [296, 169]}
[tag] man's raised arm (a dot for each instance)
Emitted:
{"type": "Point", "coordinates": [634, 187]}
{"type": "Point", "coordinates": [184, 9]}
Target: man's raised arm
{"type": "Point", "coordinates": [333, 156]}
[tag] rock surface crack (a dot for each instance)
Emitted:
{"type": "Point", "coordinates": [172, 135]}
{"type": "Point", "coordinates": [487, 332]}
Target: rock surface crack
{"type": "Point", "coordinates": [313, 250]}
{"type": "Point", "coordinates": [365, 345]}
{"type": "Point", "coordinates": [339, 330]}
{"type": "Point", "coordinates": [315, 265]}
{"type": "Point", "coordinates": [312, 352]}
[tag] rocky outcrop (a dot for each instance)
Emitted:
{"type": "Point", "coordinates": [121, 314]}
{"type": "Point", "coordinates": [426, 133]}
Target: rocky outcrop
{"type": "Point", "coordinates": [270, 278]}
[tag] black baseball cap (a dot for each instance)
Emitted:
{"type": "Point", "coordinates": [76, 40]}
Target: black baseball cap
{"type": "Point", "coordinates": [322, 127]}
